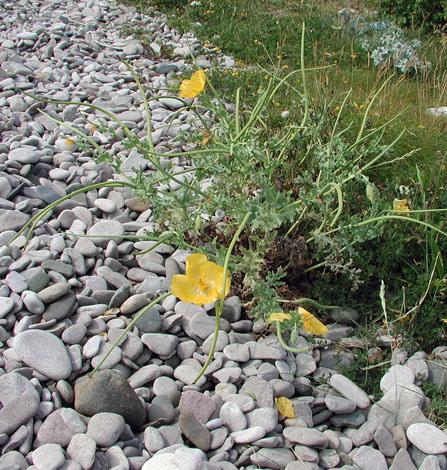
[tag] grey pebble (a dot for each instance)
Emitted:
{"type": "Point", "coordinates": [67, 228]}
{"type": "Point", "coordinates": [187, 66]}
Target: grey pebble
{"type": "Point", "coordinates": [44, 352]}
{"type": "Point", "coordinates": [82, 450]}
{"type": "Point", "coordinates": [105, 428]}
{"type": "Point", "coordinates": [48, 457]}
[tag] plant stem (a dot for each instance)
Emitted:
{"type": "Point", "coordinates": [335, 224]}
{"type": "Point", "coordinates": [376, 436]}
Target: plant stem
{"type": "Point", "coordinates": [283, 343]}
{"type": "Point", "coordinates": [314, 303]}
{"type": "Point", "coordinates": [220, 302]}
{"type": "Point", "coordinates": [128, 327]}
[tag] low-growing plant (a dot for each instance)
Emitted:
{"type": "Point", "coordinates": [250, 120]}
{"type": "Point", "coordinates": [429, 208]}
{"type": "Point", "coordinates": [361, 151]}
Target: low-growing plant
{"type": "Point", "coordinates": [385, 42]}
{"type": "Point", "coordinates": [303, 195]}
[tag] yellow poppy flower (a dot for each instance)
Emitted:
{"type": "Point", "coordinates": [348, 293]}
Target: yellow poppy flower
{"type": "Point", "coordinates": [285, 407]}
{"type": "Point", "coordinates": [189, 88]}
{"type": "Point", "coordinates": [69, 143]}
{"type": "Point", "coordinates": [401, 206]}
{"type": "Point", "coordinates": [310, 324]}
{"type": "Point", "coordinates": [201, 283]}
{"type": "Point", "coordinates": [279, 316]}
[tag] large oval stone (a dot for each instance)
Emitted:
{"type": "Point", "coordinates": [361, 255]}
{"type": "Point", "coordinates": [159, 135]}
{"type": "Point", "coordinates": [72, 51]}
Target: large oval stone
{"type": "Point", "coordinates": [44, 352]}
{"type": "Point", "coordinates": [108, 391]}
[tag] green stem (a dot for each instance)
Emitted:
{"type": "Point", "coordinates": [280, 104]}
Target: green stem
{"type": "Point", "coordinates": [303, 78]}
{"type": "Point", "coordinates": [219, 304]}
{"type": "Point", "coordinates": [314, 303]}
{"type": "Point", "coordinates": [128, 327]}
{"type": "Point", "coordinates": [41, 214]}
{"type": "Point", "coordinates": [283, 343]}
{"type": "Point", "coordinates": [383, 218]}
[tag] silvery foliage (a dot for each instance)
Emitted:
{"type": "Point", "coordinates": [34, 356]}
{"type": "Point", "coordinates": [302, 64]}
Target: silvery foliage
{"type": "Point", "coordinates": [384, 41]}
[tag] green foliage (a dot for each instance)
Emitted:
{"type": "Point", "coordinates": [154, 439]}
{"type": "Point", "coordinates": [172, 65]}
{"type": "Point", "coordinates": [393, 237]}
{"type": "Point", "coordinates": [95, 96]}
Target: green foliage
{"type": "Point", "coordinates": [431, 14]}
{"type": "Point", "coordinates": [438, 403]}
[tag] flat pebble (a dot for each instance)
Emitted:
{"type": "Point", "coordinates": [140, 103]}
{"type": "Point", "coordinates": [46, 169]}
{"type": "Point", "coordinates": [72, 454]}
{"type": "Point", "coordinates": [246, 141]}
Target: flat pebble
{"type": "Point", "coordinates": [48, 457]}
{"type": "Point", "coordinates": [105, 428]}
{"type": "Point", "coordinates": [427, 438]}
{"type": "Point", "coordinates": [44, 352]}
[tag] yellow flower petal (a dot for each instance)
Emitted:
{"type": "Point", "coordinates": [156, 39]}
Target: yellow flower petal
{"type": "Point", "coordinates": [186, 291]}
{"type": "Point", "coordinates": [285, 407]}
{"type": "Point", "coordinates": [214, 274]}
{"type": "Point", "coordinates": [311, 325]}
{"type": "Point", "coordinates": [189, 88]}
{"type": "Point", "coordinates": [69, 143]}
{"type": "Point", "coordinates": [401, 206]}
{"type": "Point", "coordinates": [279, 316]}
{"type": "Point", "coordinates": [196, 267]}
{"type": "Point", "coordinates": [202, 281]}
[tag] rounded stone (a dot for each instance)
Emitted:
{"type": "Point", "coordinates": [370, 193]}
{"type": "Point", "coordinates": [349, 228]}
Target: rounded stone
{"type": "Point", "coordinates": [233, 417]}
{"type": "Point", "coordinates": [195, 431]}
{"type": "Point", "coordinates": [24, 155]}
{"type": "Point", "coordinates": [108, 391]}
{"type": "Point", "coordinates": [103, 229]}
{"type": "Point", "coordinates": [48, 457]}
{"type": "Point", "coordinates": [161, 410]}
{"type": "Point", "coordinates": [427, 438]}
{"type": "Point", "coordinates": [150, 321]}
{"type": "Point", "coordinates": [349, 390]}
{"type": "Point", "coordinates": [44, 352]}
{"type": "Point", "coordinates": [82, 450]}
{"type": "Point", "coordinates": [105, 428]}
{"type": "Point", "coordinates": [60, 426]}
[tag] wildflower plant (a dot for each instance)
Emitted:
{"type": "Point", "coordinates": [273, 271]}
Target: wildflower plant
{"type": "Point", "coordinates": [256, 201]}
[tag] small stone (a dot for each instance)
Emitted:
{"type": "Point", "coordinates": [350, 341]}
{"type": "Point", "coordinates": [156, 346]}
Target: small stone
{"type": "Point", "coordinates": [60, 426]}
{"type": "Point", "coordinates": [402, 461]}
{"type": "Point", "coordinates": [272, 458]}
{"type": "Point", "coordinates": [82, 450]}
{"type": "Point", "coordinates": [51, 293]}
{"type": "Point", "coordinates": [48, 457]}
{"type": "Point", "coordinates": [106, 228]}
{"type": "Point", "coordinates": [195, 431]}
{"type": "Point", "coordinates": [108, 390]}
{"type": "Point", "coordinates": [150, 321]}
{"type": "Point", "coordinates": [14, 460]}
{"type": "Point", "coordinates": [261, 389]}
{"type": "Point", "coordinates": [20, 402]}
{"type": "Point", "coordinates": [349, 390]}
{"type": "Point", "coordinates": [430, 463]}
{"type": "Point", "coordinates": [368, 458]}
{"type": "Point", "coordinates": [248, 435]}
{"type": "Point", "coordinates": [161, 410]}
{"type": "Point", "coordinates": [233, 417]}
{"type": "Point", "coordinates": [13, 219]}
{"type": "Point", "coordinates": [161, 344]}
{"type": "Point", "coordinates": [105, 428]}
{"type": "Point", "coordinates": [265, 417]}
{"type": "Point", "coordinates": [198, 404]}
{"type": "Point", "coordinates": [385, 442]}
{"type": "Point", "coordinates": [427, 438]}
{"type": "Point", "coordinates": [305, 436]}
{"type": "Point", "coordinates": [339, 405]}
{"type": "Point", "coordinates": [397, 374]}
{"type": "Point", "coordinates": [32, 302]}
{"type": "Point", "coordinates": [24, 155]}
{"type": "Point", "coordinates": [328, 458]}
{"type": "Point", "coordinates": [153, 440]}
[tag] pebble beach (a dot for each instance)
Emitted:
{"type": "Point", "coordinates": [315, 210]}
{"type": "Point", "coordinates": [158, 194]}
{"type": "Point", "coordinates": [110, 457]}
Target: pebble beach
{"type": "Point", "coordinates": [68, 292]}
